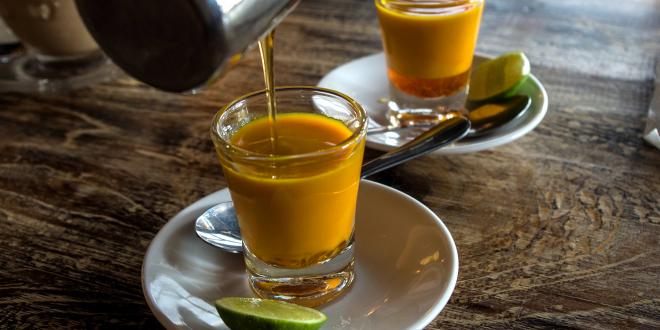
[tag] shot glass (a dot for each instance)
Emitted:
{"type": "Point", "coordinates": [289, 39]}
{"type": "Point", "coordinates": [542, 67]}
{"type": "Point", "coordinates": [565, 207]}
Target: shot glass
{"type": "Point", "coordinates": [429, 47]}
{"type": "Point", "coordinates": [295, 195]}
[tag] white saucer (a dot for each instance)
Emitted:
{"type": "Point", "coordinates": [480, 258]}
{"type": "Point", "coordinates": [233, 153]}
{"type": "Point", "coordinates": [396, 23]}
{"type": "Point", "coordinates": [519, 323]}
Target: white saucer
{"type": "Point", "coordinates": [365, 80]}
{"type": "Point", "coordinates": [406, 267]}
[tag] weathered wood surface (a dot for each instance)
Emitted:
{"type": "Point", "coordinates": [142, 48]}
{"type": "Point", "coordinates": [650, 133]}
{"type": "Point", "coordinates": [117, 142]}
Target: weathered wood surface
{"type": "Point", "coordinates": [556, 230]}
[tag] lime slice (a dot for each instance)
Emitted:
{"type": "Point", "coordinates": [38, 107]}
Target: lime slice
{"type": "Point", "coordinates": [498, 78]}
{"type": "Point", "coordinates": [254, 313]}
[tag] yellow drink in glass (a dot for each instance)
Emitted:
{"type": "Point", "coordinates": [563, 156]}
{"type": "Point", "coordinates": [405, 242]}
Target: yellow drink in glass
{"type": "Point", "coordinates": [429, 47]}
{"type": "Point", "coordinates": [296, 216]}
{"type": "Point", "coordinates": [294, 183]}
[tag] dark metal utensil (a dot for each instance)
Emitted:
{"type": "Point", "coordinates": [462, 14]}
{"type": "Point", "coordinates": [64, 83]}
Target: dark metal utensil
{"type": "Point", "coordinates": [484, 118]}
{"type": "Point", "coordinates": [176, 45]}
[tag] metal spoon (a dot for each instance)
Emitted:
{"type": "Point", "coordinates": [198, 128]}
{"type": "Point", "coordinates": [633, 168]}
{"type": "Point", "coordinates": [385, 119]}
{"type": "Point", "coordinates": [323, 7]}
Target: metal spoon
{"type": "Point", "coordinates": [484, 118]}
{"type": "Point", "coordinates": [218, 226]}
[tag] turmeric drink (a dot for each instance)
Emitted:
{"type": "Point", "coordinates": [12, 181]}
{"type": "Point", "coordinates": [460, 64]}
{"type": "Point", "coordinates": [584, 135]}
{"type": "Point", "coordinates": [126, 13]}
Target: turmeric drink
{"type": "Point", "coordinates": [293, 178]}
{"type": "Point", "coordinates": [295, 212]}
{"type": "Point", "coordinates": [429, 44]}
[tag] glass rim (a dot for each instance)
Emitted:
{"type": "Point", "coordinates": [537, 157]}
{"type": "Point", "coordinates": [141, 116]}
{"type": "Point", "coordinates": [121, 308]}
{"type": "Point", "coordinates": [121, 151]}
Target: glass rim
{"type": "Point", "coordinates": [393, 5]}
{"type": "Point", "coordinates": [256, 156]}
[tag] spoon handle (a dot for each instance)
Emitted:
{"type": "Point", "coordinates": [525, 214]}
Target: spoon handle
{"type": "Point", "coordinates": [437, 136]}
{"type": "Point", "coordinates": [385, 129]}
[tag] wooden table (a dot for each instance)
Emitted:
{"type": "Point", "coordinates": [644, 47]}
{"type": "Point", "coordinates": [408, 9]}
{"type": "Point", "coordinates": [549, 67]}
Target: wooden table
{"type": "Point", "coordinates": [558, 229]}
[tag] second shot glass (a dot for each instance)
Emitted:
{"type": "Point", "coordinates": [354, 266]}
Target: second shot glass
{"type": "Point", "coordinates": [429, 46]}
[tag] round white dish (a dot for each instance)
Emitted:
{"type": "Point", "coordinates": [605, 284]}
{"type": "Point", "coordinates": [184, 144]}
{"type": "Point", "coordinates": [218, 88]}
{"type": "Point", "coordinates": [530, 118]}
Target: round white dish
{"type": "Point", "coordinates": [365, 80]}
{"type": "Point", "coordinates": [406, 267]}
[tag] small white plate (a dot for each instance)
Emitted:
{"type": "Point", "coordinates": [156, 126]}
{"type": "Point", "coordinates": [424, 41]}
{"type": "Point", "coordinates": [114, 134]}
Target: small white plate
{"type": "Point", "coordinates": [406, 267]}
{"type": "Point", "coordinates": [365, 80]}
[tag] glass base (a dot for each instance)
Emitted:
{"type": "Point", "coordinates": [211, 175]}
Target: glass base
{"type": "Point", "coordinates": [310, 286]}
{"type": "Point", "coordinates": [30, 73]}
{"type": "Point", "coordinates": [408, 110]}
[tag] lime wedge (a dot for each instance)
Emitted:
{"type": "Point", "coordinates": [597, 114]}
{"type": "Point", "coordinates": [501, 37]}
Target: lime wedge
{"type": "Point", "coordinates": [498, 78]}
{"type": "Point", "coordinates": [254, 313]}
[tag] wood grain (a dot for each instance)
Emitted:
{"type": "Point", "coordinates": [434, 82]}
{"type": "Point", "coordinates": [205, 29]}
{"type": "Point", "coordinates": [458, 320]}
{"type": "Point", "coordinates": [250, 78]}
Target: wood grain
{"type": "Point", "coordinates": [556, 230]}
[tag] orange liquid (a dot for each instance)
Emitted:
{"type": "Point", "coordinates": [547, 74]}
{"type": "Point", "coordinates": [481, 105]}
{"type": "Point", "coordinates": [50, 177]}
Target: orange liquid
{"type": "Point", "coordinates": [429, 47]}
{"type": "Point", "coordinates": [294, 215]}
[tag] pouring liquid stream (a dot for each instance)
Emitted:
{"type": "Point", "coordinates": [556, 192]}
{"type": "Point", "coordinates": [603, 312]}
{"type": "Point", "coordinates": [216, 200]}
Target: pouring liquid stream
{"type": "Point", "coordinates": [266, 50]}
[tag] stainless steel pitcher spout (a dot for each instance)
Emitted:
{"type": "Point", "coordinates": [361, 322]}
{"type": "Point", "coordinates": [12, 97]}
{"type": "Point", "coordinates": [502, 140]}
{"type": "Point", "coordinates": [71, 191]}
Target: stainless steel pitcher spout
{"type": "Point", "coordinates": [179, 45]}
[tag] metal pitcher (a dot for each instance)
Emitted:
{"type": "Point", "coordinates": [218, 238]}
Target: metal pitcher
{"type": "Point", "coordinates": [179, 45]}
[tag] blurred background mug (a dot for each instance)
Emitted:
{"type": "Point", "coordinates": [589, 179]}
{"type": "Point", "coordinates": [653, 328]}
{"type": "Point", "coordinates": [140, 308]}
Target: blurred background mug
{"type": "Point", "coordinates": [60, 51]}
